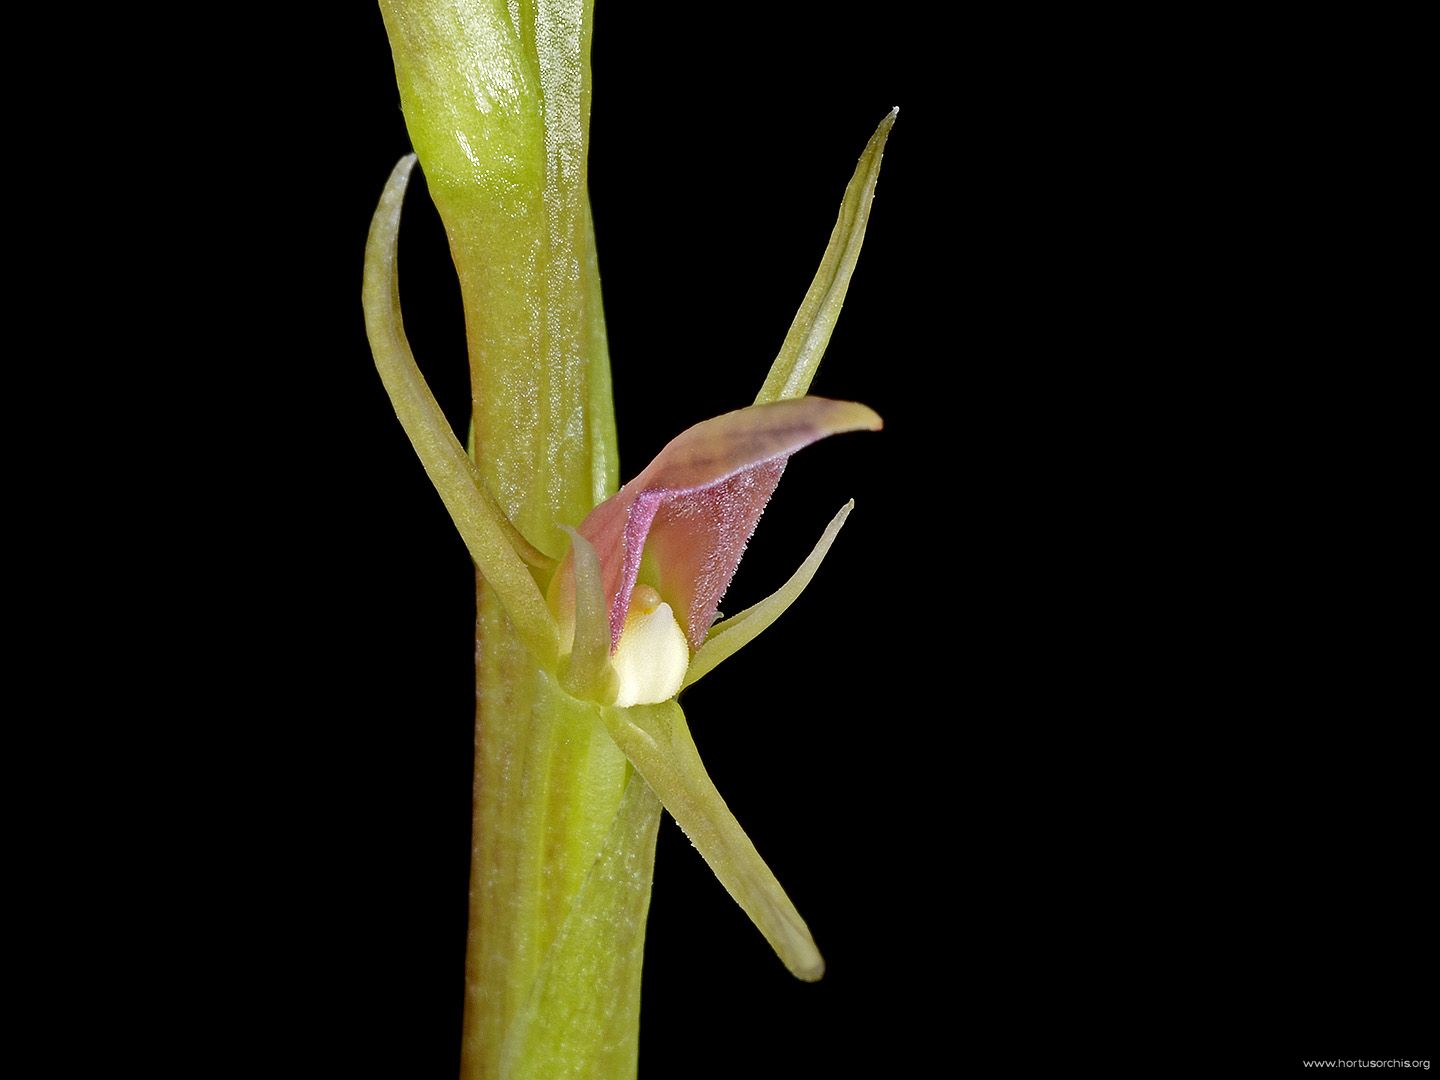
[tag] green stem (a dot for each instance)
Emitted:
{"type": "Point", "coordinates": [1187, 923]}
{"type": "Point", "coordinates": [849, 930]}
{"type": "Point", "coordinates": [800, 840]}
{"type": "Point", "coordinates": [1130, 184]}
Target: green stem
{"type": "Point", "coordinates": [499, 112]}
{"type": "Point", "coordinates": [548, 787]}
{"type": "Point", "coordinates": [496, 98]}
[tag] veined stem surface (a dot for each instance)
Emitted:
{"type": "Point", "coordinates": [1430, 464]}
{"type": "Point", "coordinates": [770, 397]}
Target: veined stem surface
{"type": "Point", "coordinates": [496, 98]}
{"type": "Point", "coordinates": [549, 783]}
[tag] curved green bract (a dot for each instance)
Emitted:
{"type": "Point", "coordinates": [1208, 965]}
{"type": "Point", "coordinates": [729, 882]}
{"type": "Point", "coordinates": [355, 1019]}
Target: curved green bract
{"type": "Point", "coordinates": [486, 534]}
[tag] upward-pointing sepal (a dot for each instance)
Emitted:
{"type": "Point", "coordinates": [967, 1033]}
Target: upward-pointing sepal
{"type": "Point", "coordinates": [486, 532]}
{"type": "Point", "coordinates": [730, 636]}
{"type": "Point", "coordinates": [809, 333]}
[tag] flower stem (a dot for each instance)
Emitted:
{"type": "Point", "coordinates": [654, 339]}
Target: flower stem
{"type": "Point", "coordinates": [496, 99]}
{"type": "Point", "coordinates": [497, 103]}
{"type": "Point", "coordinates": [549, 783]}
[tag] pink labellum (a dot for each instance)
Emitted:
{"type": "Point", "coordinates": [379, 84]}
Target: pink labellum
{"type": "Point", "coordinates": [698, 502]}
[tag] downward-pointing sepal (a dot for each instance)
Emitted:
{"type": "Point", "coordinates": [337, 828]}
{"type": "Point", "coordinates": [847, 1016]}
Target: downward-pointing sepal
{"type": "Point", "coordinates": [657, 741]}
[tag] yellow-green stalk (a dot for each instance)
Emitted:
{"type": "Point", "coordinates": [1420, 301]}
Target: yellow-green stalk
{"type": "Point", "coordinates": [575, 750]}
{"type": "Point", "coordinates": [498, 113]}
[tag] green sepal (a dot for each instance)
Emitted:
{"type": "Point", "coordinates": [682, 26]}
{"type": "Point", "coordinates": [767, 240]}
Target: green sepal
{"type": "Point", "coordinates": [731, 635]}
{"type": "Point", "coordinates": [804, 344]}
{"type": "Point", "coordinates": [657, 741]}
{"type": "Point", "coordinates": [486, 532]}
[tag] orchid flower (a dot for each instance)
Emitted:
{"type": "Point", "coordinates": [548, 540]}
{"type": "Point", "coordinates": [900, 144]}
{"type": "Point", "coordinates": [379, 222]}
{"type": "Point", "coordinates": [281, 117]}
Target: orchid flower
{"type": "Point", "coordinates": [692, 509]}
{"type": "Point", "coordinates": [597, 606]}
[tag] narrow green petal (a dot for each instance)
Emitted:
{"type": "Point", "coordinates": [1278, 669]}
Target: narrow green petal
{"type": "Point", "coordinates": [728, 637]}
{"type": "Point", "coordinates": [657, 741]}
{"type": "Point", "coordinates": [804, 345]}
{"type": "Point", "coordinates": [484, 530]}
{"type": "Point", "coordinates": [583, 1017]}
{"type": "Point", "coordinates": [589, 674]}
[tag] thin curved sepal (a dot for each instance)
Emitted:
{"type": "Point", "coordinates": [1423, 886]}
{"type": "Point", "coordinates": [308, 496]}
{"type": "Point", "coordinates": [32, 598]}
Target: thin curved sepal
{"type": "Point", "coordinates": [484, 530]}
{"type": "Point", "coordinates": [588, 673]}
{"type": "Point", "coordinates": [728, 637]}
{"type": "Point", "coordinates": [657, 741]}
{"type": "Point", "coordinates": [804, 345]}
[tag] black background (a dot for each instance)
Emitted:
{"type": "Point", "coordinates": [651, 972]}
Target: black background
{"type": "Point", "coordinates": [1089, 738]}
